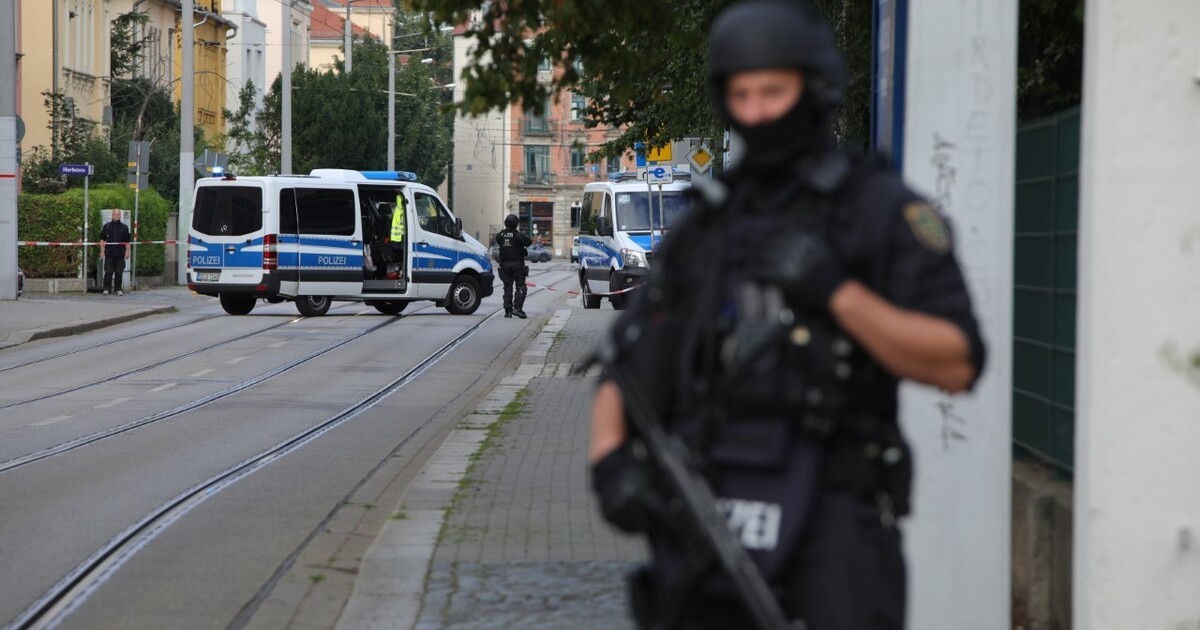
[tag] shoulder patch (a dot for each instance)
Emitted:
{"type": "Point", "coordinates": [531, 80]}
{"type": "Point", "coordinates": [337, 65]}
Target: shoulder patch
{"type": "Point", "coordinates": [928, 226]}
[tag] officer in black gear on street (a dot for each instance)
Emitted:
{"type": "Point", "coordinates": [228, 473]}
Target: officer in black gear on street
{"type": "Point", "coordinates": [512, 244]}
{"type": "Point", "coordinates": [777, 324]}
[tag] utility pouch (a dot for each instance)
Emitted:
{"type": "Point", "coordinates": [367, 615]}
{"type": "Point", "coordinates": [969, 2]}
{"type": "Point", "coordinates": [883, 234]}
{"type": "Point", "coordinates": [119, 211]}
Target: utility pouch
{"type": "Point", "coordinates": [896, 472]}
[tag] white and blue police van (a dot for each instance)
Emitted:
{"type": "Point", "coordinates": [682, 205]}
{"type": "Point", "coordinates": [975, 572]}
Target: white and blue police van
{"type": "Point", "coordinates": [327, 236]}
{"type": "Point", "coordinates": [621, 223]}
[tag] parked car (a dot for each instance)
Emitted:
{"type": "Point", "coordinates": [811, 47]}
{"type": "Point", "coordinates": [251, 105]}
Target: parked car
{"type": "Point", "coordinates": [537, 253]}
{"type": "Point", "coordinates": [575, 249]}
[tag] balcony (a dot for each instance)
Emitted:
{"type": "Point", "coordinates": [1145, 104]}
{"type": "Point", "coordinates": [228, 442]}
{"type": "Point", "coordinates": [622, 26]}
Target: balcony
{"type": "Point", "coordinates": [535, 179]}
{"type": "Point", "coordinates": [534, 126]}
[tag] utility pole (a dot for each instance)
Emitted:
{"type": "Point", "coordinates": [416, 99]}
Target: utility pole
{"type": "Point", "coordinates": [349, 40]}
{"type": "Point", "coordinates": [8, 150]}
{"type": "Point", "coordinates": [285, 111]}
{"type": "Point", "coordinates": [391, 141]}
{"type": "Point", "coordinates": [187, 149]}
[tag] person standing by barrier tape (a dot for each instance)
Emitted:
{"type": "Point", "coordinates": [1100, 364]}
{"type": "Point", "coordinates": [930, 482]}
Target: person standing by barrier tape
{"type": "Point", "coordinates": [114, 249]}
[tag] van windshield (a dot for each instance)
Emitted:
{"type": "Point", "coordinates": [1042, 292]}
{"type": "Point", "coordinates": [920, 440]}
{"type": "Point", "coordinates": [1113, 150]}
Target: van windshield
{"type": "Point", "coordinates": [636, 212]}
{"type": "Point", "coordinates": [228, 210]}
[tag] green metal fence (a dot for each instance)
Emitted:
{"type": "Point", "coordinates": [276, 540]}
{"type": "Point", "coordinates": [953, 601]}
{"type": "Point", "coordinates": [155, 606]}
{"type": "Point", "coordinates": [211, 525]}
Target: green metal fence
{"type": "Point", "coordinates": [1044, 291]}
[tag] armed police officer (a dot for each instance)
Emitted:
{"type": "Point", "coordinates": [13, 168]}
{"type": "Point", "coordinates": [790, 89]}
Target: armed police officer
{"type": "Point", "coordinates": [512, 243]}
{"type": "Point", "coordinates": [771, 340]}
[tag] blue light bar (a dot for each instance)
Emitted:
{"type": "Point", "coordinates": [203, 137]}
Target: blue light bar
{"type": "Point", "coordinates": [391, 176]}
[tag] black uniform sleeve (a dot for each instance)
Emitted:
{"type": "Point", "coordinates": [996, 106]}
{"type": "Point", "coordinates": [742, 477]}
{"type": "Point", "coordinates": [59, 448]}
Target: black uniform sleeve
{"type": "Point", "coordinates": [104, 233]}
{"type": "Point", "coordinates": [524, 239]}
{"type": "Point", "coordinates": [924, 275]}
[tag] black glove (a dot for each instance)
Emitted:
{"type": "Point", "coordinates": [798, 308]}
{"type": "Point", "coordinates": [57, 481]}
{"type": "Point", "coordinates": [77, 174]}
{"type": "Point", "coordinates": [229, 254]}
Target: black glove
{"type": "Point", "coordinates": [802, 265]}
{"type": "Point", "coordinates": [628, 490]}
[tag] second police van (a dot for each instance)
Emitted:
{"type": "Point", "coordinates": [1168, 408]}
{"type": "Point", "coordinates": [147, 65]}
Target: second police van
{"type": "Point", "coordinates": [327, 236]}
{"type": "Point", "coordinates": [621, 223]}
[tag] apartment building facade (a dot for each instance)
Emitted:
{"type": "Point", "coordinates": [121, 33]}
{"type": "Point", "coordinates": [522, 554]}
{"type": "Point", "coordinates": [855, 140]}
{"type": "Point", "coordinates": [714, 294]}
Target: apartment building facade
{"type": "Point", "coordinates": [247, 57]}
{"type": "Point", "coordinates": [62, 46]}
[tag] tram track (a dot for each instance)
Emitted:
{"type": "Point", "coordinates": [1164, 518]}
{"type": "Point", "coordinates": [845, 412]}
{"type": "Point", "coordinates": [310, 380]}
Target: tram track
{"type": "Point", "coordinates": [97, 436]}
{"type": "Point", "coordinates": [144, 368]}
{"type": "Point", "coordinates": [86, 578]}
{"type": "Point", "coordinates": [79, 584]}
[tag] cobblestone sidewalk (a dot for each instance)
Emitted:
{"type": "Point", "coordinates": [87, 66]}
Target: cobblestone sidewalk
{"type": "Point", "coordinates": [523, 545]}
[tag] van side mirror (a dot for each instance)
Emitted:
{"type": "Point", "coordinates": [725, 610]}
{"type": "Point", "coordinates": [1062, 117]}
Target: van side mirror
{"type": "Point", "coordinates": [604, 226]}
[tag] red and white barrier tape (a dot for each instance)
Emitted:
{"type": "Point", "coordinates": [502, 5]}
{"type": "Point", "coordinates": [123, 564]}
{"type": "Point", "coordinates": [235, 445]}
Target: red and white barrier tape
{"type": "Point", "coordinates": [90, 244]}
{"type": "Point", "coordinates": [617, 292]}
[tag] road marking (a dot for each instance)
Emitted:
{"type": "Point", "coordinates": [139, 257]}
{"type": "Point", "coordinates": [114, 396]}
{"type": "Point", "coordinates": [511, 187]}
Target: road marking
{"type": "Point", "coordinates": [277, 344]}
{"type": "Point", "coordinates": [201, 372]}
{"type": "Point", "coordinates": [43, 423]}
{"type": "Point", "coordinates": [237, 360]}
{"type": "Point", "coordinates": [113, 402]}
{"type": "Point", "coordinates": [164, 386]}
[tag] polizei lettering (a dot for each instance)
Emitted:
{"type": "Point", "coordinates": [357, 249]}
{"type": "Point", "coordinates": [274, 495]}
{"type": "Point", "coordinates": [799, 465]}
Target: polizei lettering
{"type": "Point", "coordinates": [331, 260]}
{"type": "Point", "coordinates": [754, 523]}
{"type": "Point", "coordinates": [206, 261]}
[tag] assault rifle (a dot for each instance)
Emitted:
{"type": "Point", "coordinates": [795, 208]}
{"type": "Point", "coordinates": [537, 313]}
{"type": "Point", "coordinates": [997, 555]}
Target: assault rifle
{"type": "Point", "coordinates": [699, 505]}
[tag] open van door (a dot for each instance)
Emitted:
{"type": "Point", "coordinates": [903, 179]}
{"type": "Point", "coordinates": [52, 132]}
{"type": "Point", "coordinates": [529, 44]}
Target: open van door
{"type": "Point", "coordinates": [330, 240]}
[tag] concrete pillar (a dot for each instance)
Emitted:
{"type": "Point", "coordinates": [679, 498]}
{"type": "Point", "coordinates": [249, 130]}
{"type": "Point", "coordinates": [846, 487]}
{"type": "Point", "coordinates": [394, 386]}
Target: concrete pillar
{"type": "Point", "coordinates": [8, 150]}
{"type": "Point", "coordinates": [957, 147]}
{"type": "Point", "coordinates": [1137, 500]}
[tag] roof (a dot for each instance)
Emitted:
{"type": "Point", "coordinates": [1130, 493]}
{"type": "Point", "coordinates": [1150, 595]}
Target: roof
{"type": "Point", "coordinates": [328, 25]}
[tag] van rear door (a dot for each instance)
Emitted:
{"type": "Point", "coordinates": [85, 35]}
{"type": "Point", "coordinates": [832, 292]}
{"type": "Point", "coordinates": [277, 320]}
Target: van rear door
{"type": "Point", "coordinates": [226, 243]}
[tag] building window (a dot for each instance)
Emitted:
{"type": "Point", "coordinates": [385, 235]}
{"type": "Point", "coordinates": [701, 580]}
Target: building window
{"type": "Point", "coordinates": [537, 165]}
{"type": "Point", "coordinates": [614, 164]}
{"type": "Point", "coordinates": [578, 157]}
{"type": "Point", "coordinates": [537, 123]}
{"type": "Point", "coordinates": [578, 104]}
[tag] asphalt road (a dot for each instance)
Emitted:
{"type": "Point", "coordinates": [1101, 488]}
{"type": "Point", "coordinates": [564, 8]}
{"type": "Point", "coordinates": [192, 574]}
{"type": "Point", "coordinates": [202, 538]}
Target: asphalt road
{"type": "Point", "coordinates": [96, 437]}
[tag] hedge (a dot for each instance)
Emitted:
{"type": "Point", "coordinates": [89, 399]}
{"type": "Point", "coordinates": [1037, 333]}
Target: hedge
{"type": "Point", "coordinates": [59, 218]}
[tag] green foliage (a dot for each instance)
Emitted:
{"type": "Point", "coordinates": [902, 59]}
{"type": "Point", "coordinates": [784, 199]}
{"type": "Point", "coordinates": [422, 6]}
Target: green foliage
{"type": "Point", "coordinates": [340, 120]}
{"type": "Point", "coordinates": [642, 69]}
{"type": "Point", "coordinates": [126, 50]}
{"type": "Point", "coordinates": [1049, 57]}
{"type": "Point", "coordinates": [247, 152]}
{"type": "Point", "coordinates": [59, 218]}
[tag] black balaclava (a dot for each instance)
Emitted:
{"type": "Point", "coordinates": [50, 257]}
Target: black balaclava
{"type": "Point", "coordinates": [779, 34]}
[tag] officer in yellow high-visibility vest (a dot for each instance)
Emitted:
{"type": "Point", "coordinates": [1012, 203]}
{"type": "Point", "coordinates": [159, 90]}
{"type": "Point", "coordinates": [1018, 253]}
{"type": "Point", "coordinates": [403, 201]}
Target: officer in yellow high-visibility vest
{"type": "Point", "coordinates": [398, 213]}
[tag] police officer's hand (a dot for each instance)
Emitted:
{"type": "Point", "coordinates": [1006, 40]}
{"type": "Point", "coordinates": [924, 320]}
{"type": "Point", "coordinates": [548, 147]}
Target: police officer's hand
{"type": "Point", "coordinates": [802, 265]}
{"type": "Point", "coordinates": [628, 489]}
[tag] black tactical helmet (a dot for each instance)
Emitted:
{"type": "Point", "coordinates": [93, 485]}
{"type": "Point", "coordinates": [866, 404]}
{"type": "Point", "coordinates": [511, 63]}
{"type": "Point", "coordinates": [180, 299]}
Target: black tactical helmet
{"type": "Point", "coordinates": [766, 34]}
{"type": "Point", "coordinates": [511, 221]}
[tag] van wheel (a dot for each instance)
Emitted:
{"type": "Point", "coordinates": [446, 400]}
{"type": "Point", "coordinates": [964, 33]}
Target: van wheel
{"type": "Point", "coordinates": [618, 301]}
{"type": "Point", "coordinates": [589, 300]}
{"type": "Point", "coordinates": [464, 296]}
{"type": "Point", "coordinates": [313, 305]}
{"type": "Point", "coordinates": [389, 307]}
{"type": "Point", "coordinates": [237, 304]}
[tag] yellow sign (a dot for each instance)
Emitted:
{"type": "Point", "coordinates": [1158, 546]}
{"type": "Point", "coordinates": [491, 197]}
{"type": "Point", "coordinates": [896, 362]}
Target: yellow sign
{"type": "Point", "coordinates": [700, 158]}
{"type": "Point", "coordinates": [659, 154]}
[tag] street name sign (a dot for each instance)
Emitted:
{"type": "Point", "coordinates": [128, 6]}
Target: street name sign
{"type": "Point", "coordinates": [78, 170]}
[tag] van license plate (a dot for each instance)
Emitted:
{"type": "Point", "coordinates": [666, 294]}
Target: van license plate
{"type": "Point", "coordinates": [208, 276]}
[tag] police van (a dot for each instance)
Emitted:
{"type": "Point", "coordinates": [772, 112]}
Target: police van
{"type": "Point", "coordinates": [621, 223]}
{"type": "Point", "coordinates": [329, 236]}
